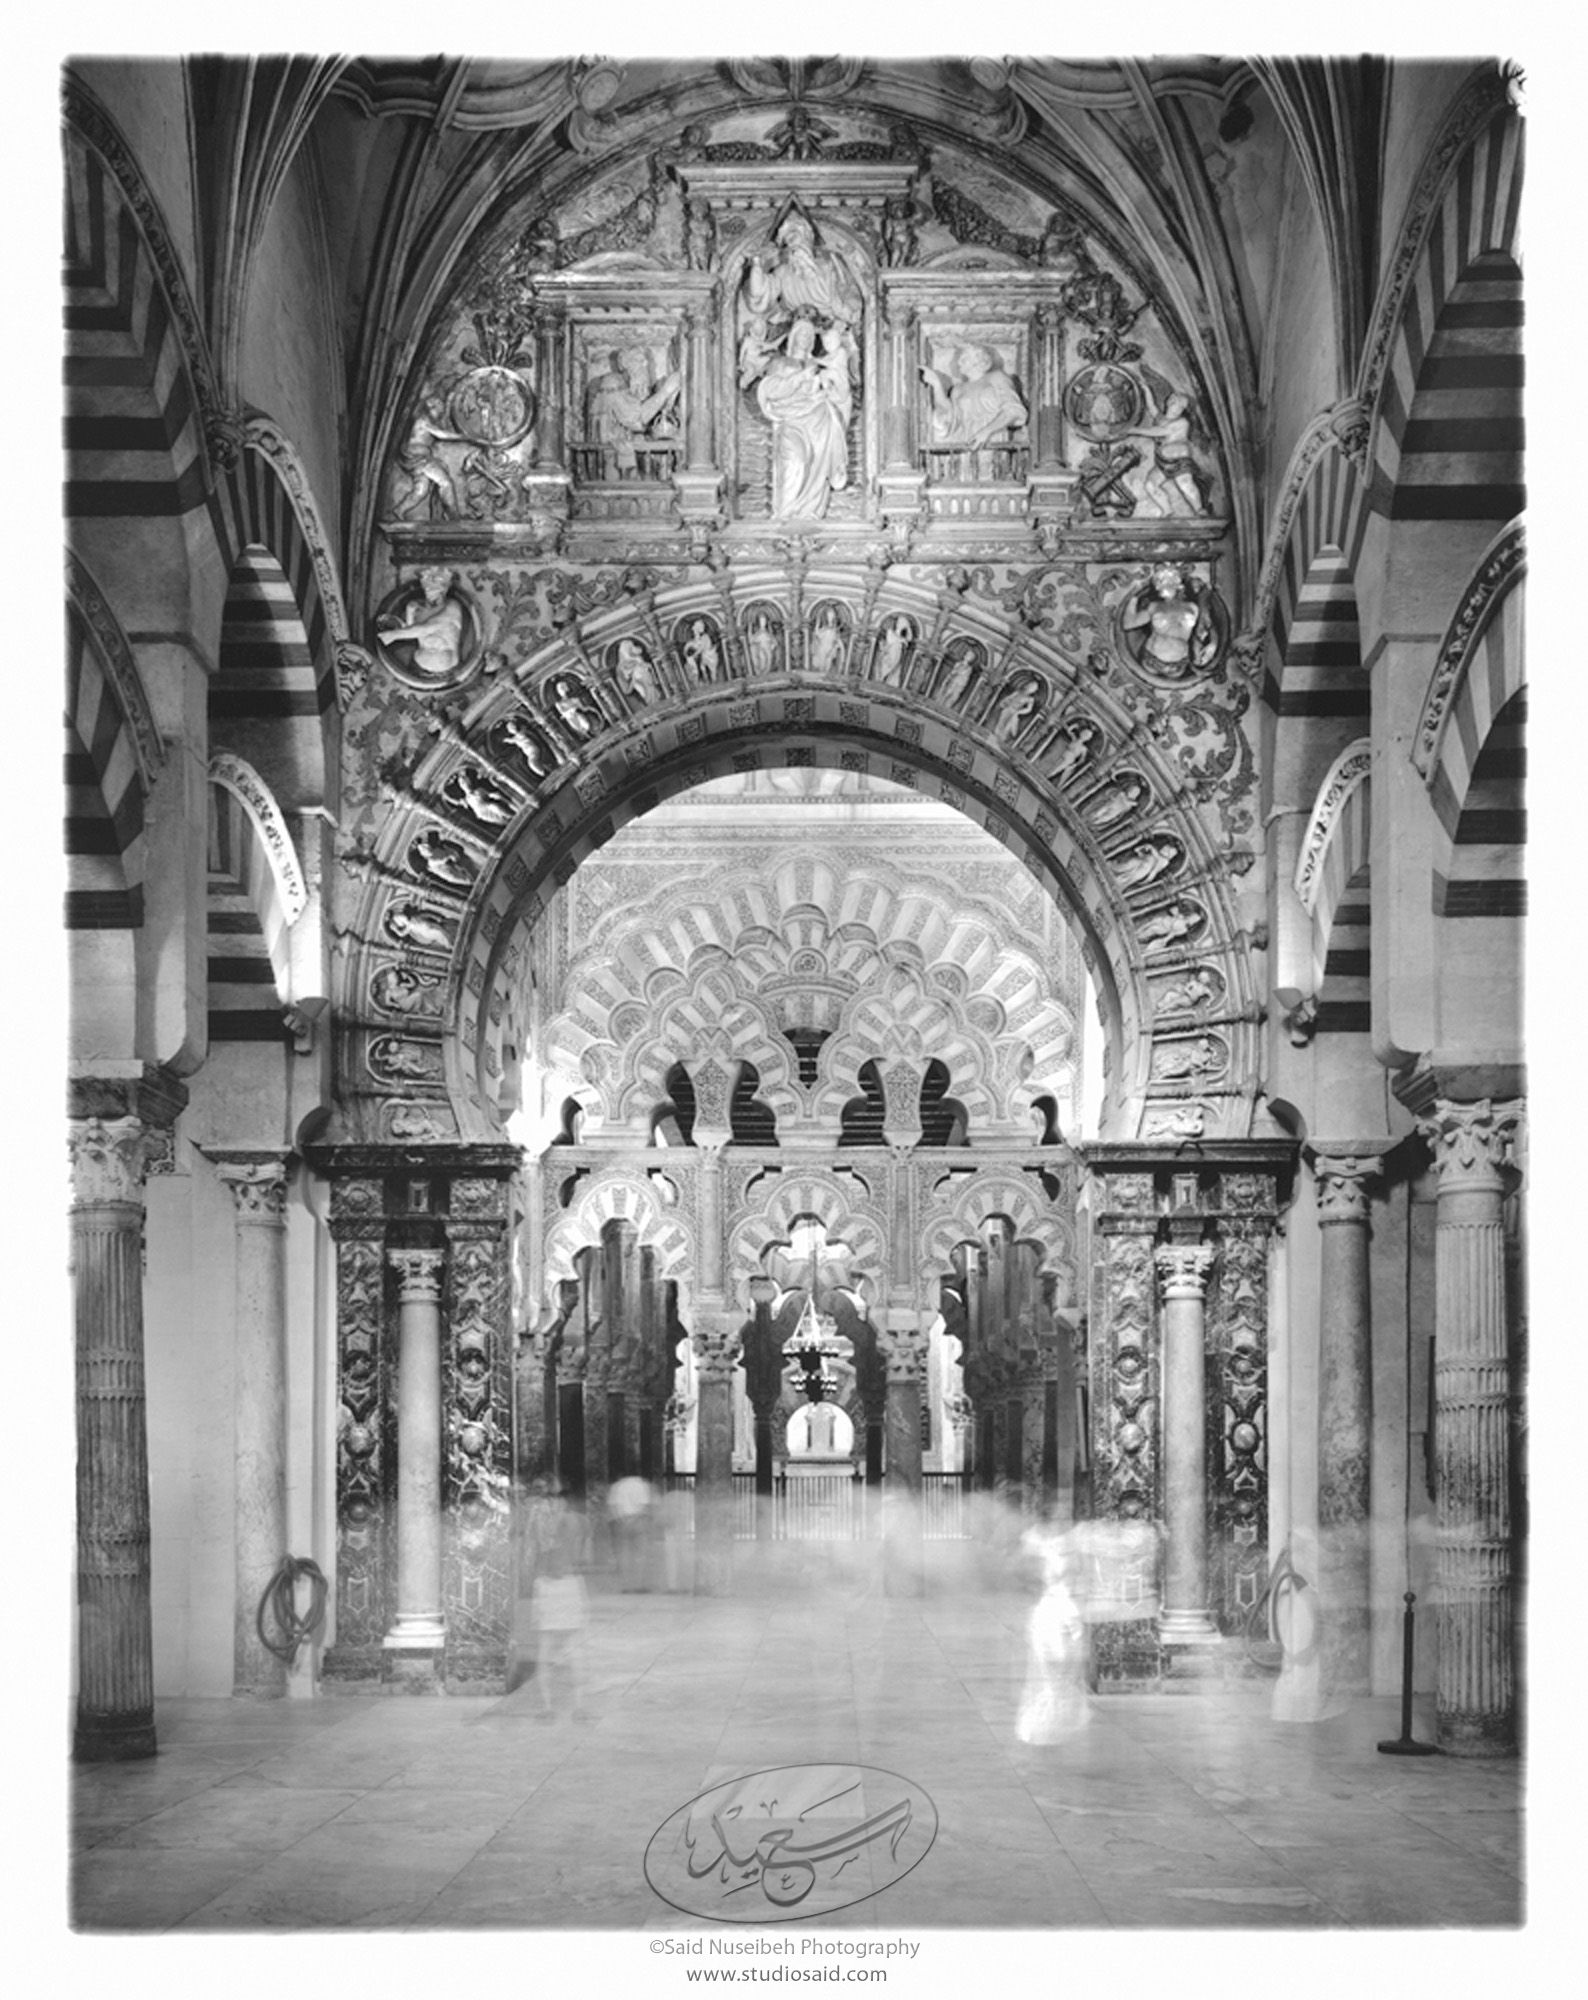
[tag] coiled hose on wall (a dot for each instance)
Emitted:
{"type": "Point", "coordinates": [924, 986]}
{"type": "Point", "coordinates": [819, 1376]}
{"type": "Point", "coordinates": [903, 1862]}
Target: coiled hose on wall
{"type": "Point", "coordinates": [280, 1604]}
{"type": "Point", "coordinates": [1286, 1586]}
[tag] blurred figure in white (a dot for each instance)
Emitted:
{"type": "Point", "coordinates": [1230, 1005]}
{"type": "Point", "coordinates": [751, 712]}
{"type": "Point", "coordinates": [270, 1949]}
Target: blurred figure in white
{"type": "Point", "coordinates": [629, 1510]}
{"type": "Point", "coordinates": [1054, 1702]}
{"type": "Point", "coordinates": [559, 1610]}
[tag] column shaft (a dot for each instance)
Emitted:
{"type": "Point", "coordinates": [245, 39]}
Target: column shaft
{"type": "Point", "coordinates": [716, 1345]}
{"type": "Point", "coordinates": [115, 1670]}
{"type": "Point", "coordinates": [1476, 1709]}
{"type": "Point", "coordinates": [259, 1408]}
{"type": "Point", "coordinates": [1345, 1423]}
{"type": "Point", "coordinates": [418, 1621]}
{"type": "Point", "coordinates": [1183, 1270]}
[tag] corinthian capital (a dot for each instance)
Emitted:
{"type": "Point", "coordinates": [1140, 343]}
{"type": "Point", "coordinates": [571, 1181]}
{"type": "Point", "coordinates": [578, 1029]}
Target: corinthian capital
{"type": "Point", "coordinates": [1473, 1142]}
{"type": "Point", "coordinates": [258, 1182]}
{"type": "Point", "coordinates": [904, 1354]}
{"type": "Point", "coordinates": [110, 1157]}
{"type": "Point", "coordinates": [418, 1274]}
{"type": "Point", "coordinates": [716, 1350]}
{"type": "Point", "coordinates": [1342, 1180]}
{"type": "Point", "coordinates": [1183, 1269]}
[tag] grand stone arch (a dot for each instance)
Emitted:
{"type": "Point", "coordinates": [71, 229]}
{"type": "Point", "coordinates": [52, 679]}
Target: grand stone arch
{"type": "Point", "coordinates": [1101, 783]}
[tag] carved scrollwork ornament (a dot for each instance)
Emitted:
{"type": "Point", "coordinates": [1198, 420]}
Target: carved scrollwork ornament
{"type": "Point", "coordinates": [419, 1274]}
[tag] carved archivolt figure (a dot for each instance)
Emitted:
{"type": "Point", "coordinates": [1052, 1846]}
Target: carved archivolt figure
{"type": "Point", "coordinates": [1116, 800]}
{"type": "Point", "coordinates": [1188, 1058]}
{"type": "Point", "coordinates": [1017, 703]}
{"type": "Point", "coordinates": [1197, 989]}
{"type": "Point", "coordinates": [700, 651]}
{"type": "Point", "coordinates": [1140, 865]}
{"type": "Point", "coordinates": [516, 732]}
{"type": "Point", "coordinates": [761, 643]}
{"type": "Point", "coordinates": [635, 671]}
{"type": "Point", "coordinates": [1078, 740]}
{"type": "Point", "coordinates": [472, 790]}
{"type": "Point", "coordinates": [962, 662]}
{"type": "Point", "coordinates": [569, 700]}
{"type": "Point", "coordinates": [398, 990]}
{"type": "Point", "coordinates": [434, 855]}
{"type": "Point", "coordinates": [827, 642]}
{"type": "Point", "coordinates": [981, 405]}
{"type": "Point", "coordinates": [1166, 927]}
{"type": "Point", "coordinates": [892, 644]}
{"type": "Point", "coordinates": [411, 926]}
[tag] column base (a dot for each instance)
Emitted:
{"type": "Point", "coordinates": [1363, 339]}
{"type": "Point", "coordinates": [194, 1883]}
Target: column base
{"type": "Point", "coordinates": [1125, 1657]}
{"type": "Point", "coordinates": [1476, 1735]}
{"type": "Point", "coordinates": [113, 1739]}
{"type": "Point", "coordinates": [413, 1659]}
{"type": "Point", "coordinates": [1188, 1628]}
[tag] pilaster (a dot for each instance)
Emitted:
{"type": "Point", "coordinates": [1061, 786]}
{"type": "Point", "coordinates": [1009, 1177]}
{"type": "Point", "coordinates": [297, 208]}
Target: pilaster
{"type": "Point", "coordinates": [257, 1180]}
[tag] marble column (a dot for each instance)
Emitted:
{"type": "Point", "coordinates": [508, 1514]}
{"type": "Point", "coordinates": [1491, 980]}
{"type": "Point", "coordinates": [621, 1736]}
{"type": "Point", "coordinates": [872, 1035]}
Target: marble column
{"type": "Point", "coordinates": [258, 1183]}
{"type": "Point", "coordinates": [1345, 1419]}
{"type": "Point", "coordinates": [115, 1672]}
{"type": "Point", "coordinates": [1476, 1708]}
{"type": "Point", "coordinates": [1182, 1273]}
{"type": "Point", "coordinates": [904, 1349]}
{"type": "Point", "coordinates": [716, 1343]}
{"type": "Point", "coordinates": [414, 1643]}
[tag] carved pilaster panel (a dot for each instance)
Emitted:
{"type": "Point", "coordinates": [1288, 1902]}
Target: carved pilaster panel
{"type": "Point", "coordinates": [1237, 1421]}
{"type": "Point", "coordinates": [477, 1439]}
{"type": "Point", "coordinates": [366, 1439]}
{"type": "Point", "coordinates": [1126, 1391]}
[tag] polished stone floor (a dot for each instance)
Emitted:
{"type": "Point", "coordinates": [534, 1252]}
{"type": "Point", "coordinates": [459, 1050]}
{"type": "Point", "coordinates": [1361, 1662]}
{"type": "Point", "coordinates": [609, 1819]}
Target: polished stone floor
{"type": "Point", "coordinates": [1166, 1812]}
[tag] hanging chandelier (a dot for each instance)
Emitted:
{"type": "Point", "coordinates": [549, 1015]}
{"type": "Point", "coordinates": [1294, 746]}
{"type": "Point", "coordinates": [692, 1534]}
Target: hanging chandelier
{"type": "Point", "coordinates": [814, 1343]}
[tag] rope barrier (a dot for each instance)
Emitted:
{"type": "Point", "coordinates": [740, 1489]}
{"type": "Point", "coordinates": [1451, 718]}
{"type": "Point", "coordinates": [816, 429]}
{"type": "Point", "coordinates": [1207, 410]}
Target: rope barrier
{"type": "Point", "coordinates": [281, 1601]}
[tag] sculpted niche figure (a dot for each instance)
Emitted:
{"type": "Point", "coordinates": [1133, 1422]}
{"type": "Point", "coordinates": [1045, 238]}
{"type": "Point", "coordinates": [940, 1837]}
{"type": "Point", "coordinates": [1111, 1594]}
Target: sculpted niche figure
{"type": "Point", "coordinates": [806, 396]}
{"type": "Point", "coordinates": [623, 411]}
{"type": "Point", "coordinates": [979, 406]}
{"type": "Point", "coordinates": [799, 355]}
